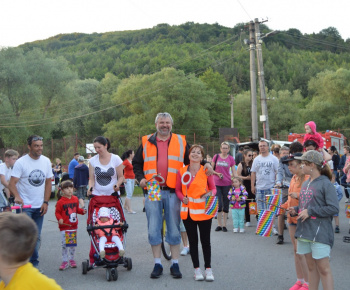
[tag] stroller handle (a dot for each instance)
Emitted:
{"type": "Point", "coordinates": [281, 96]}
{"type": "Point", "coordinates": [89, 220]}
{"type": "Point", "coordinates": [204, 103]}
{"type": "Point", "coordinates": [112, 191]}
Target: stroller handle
{"type": "Point", "coordinates": [19, 207]}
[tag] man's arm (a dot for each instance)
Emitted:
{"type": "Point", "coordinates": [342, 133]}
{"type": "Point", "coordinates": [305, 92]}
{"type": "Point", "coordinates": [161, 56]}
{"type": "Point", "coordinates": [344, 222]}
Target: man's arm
{"type": "Point", "coordinates": [13, 189]}
{"type": "Point", "coordinates": [47, 195]}
{"type": "Point", "coordinates": [252, 181]}
{"type": "Point", "coordinates": [137, 164]}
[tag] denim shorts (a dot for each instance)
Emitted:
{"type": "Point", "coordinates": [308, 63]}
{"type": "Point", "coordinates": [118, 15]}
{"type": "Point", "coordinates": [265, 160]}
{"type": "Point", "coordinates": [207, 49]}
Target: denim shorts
{"type": "Point", "coordinates": [129, 187]}
{"type": "Point", "coordinates": [154, 209]}
{"type": "Point", "coordinates": [81, 192]}
{"type": "Point", "coordinates": [318, 250]}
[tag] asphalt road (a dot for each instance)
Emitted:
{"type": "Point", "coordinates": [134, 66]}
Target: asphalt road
{"type": "Point", "coordinates": [239, 261]}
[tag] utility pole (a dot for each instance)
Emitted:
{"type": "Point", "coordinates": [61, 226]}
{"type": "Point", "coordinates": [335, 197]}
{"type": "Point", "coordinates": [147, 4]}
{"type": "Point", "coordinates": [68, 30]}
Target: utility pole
{"type": "Point", "coordinates": [231, 102]}
{"type": "Point", "coordinates": [264, 118]}
{"type": "Point", "coordinates": [253, 82]}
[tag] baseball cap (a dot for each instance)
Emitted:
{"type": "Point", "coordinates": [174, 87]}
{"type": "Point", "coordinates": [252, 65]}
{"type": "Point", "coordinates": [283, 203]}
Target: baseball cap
{"type": "Point", "coordinates": [81, 158]}
{"type": "Point", "coordinates": [103, 212]}
{"type": "Point", "coordinates": [312, 156]}
{"type": "Point", "coordinates": [291, 157]}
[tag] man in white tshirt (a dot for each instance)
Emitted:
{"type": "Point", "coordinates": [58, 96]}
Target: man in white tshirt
{"type": "Point", "coordinates": [5, 170]}
{"type": "Point", "coordinates": [263, 172]}
{"type": "Point", "coordinates": [30, 184]}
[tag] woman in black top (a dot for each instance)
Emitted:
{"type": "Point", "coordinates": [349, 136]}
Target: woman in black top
{"type": "Point", "coordinates": [243, 171]}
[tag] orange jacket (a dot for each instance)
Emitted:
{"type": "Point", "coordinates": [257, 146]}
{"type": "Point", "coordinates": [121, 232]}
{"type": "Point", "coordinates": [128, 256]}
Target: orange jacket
{"type": "Point", "coordinates": [176, 155]}
{"type": "Point", "coordinates": [196, 204]}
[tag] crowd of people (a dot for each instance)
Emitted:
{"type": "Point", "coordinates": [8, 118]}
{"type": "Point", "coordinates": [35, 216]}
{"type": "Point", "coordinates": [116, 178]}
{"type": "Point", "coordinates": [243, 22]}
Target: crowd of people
{"type": "Point", "coordinates": [188, 181]}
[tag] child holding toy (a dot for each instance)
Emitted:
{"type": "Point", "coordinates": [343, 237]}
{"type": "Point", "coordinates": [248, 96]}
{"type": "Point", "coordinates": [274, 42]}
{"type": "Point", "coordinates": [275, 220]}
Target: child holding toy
{"type": "Point", "coordinates": [237, 197]}
{"type": "Point", "coordinates": [66, 212]}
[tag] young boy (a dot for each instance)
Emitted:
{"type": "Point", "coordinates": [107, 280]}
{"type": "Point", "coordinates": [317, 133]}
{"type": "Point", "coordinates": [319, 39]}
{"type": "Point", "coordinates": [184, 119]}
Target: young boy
{"type": "Point", "coordinates": [18, 235]}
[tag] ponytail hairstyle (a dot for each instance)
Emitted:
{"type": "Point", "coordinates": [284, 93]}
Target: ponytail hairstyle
{"type": "Point", "coordinates": [126, 154]}
{"type": "Point", "coordinates": [325, 170]}
{"type": "Point", "coordinates": [103, 140]}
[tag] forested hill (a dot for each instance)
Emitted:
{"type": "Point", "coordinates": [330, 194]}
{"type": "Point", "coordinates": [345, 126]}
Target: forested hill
{"type": "Point", "coordinates": [115, 83]}
{"type": "Point", "coordinates": [290, 57]}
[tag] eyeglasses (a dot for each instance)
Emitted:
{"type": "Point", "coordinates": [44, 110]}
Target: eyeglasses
{"type": "Point", "coordinates": [250, 155]}
{"type": "Point", "coordinates": [37, 138]}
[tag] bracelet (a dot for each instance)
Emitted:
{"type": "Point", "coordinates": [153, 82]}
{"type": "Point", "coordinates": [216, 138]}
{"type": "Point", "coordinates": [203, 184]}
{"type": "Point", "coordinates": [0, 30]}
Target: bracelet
{"type": "Point", "coordinates": [46, 202]}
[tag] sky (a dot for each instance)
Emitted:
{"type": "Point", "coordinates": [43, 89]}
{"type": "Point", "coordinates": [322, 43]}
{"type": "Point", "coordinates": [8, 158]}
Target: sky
{"type": "Point", "coordinates": [24, 21]}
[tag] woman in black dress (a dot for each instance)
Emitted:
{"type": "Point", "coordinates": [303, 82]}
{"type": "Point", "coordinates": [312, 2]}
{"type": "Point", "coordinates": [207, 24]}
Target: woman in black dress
{"type": "Point", "coordinates": [243, 171]}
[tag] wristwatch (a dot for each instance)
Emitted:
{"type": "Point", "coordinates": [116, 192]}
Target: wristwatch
{"type": "Point", "coordinates": [46, 202]}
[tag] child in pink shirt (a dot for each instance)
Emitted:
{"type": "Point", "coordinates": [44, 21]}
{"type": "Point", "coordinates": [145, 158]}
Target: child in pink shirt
{"type": "Point", "coordinates": [104, 219]}
{"type": "Point", "coordinates": [237, 197]}
{"type": "Point", "coordinates": [311, 134]}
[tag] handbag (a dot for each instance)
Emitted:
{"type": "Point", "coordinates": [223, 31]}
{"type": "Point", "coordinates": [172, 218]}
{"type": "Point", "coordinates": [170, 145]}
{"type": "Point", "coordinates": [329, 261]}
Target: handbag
{"type": "Point", "coordinates": [211, 205]}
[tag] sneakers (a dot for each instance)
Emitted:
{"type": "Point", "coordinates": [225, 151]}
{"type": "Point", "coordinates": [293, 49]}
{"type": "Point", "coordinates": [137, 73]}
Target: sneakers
{"type": "Point", "coordinates": [337, 230]}
{"type": "Point", "coordinates": [198, 275]}
{"type": "Point", "coordinates": [235, 230]}
{"type": "Point", "coordinates": [241, 230]}
{"type": "Point", "coordinates": [224, 229]}
{"type": "Point", "coordinates": [347, 200]}
{"type": "Point", "coordinates": [247, 224]}
{"type": "Point", "coordinates": [304, 287]}
{"type": "Point", "coordinates": [218, 229]}
{"type": "Point", "coordinates": [175, 271]}
{"type": "Point", "coordinates": [102, 254]}
{"type": "Point", "coordinates": [274, 232]}
{"type": "Point", "coordinates": [157, 271]}
{"type": "Point", "coordinates": [209, 275]}
{"type": "Point", "coordinates": [72, 264]}
{"type": "Point", "coordinates": [121, 252]}
{"type": "Point", "coordinates": [63, 266]}
{"type": "Point", "coordinates": [185, 251]}
{"type": "Point", "coordinates": [296, 286]}
{"type": "Point", "coordinates": [280, 240]}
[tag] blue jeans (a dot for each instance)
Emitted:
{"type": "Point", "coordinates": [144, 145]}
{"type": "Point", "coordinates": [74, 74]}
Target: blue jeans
{"type": "Point", "coordinates": [260, 198]}
{"type": "Point", "coordinates": [238, 218]}
{"type": "Point", "coordinates": [154, 209]}
{"type": "Point", "coordinates": [35, 215]}
{"type": "Point", "coordinates": [129, 187]}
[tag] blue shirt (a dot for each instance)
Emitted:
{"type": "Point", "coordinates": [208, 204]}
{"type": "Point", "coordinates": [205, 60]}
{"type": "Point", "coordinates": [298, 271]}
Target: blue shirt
{"type": "Point", "coordinates": [71, 167]}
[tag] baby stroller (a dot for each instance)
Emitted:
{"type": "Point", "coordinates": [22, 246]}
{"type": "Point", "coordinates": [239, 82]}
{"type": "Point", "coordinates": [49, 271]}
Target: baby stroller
{"type": "Point", "coordinates": [112, 259]}
{"type": "Point", "coordinates": [4, 204]}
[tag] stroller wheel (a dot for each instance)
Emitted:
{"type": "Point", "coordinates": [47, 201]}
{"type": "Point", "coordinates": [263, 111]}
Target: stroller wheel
{"type": "Point", "coordinates": [85, 267]}
{"type": "Point", "coordinates": [128, 264]}
{"type": "Point", "coordinates": [111, 274]}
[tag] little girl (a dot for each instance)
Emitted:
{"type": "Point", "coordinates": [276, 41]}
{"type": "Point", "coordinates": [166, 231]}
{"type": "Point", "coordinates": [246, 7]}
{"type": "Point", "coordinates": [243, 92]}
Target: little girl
{"type": "Point", "coordinates": [339, 196]}
{"type": "Point", "coordinates": [66, 213]}
{"type": "Point", "coordinates": [311, 134]}
{"type": "Point", "coordinates": [105, 220]}
{"type": "Point", "coordinates": [237, 197]}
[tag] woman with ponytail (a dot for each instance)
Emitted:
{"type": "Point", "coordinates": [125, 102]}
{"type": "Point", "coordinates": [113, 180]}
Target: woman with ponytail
{"type": "Point", "coordinates": [318, 204]}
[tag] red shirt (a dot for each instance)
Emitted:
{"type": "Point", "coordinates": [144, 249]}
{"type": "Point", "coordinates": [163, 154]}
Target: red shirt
{"type": "Point", "coordinates": [128, 170]}
{"type": "Point", "coordinates": [162, 160]}
{"type": "Point", "coordinates": [67, 209]}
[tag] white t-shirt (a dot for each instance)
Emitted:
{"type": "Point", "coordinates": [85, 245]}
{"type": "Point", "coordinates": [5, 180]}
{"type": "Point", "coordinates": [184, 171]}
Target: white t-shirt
{"type": "Point", "coordinates": [265, 169]}
{"type": "Point", "coordinates": [32, 174]}
{"type": "Point", "coordinates": [105, 175]}
{"type": "Point", "coordinates": [4, 170]}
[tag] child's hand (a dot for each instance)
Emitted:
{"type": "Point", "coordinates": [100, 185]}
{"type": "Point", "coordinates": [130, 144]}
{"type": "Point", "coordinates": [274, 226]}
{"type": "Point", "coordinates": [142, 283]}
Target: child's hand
{"type": "Point", "coordinates": [233, 198]}
{"type": "Point", "coordinates": [60, 221]}
{"type": "Point", "coordinates": [85, 211]}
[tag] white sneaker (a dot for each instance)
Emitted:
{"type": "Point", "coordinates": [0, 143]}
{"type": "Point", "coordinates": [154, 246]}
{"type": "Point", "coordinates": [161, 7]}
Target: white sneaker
{"type": "Point", "coordinates": [274, 232]}
{"type": "Point", "coordinates": [247, 224]}
{"type": "Point", "coordinates": [198, 275]}
{"type": "Point", "coordinates": [347, 200]}
{"type": "Point", "coordinates": [185, 251]}
{"type": "Point", "coordinates": [209, 275]}
{"type": "Point", "coordinates": [241, 230]}
{"type": "Point", "coordinates": [235, 230]}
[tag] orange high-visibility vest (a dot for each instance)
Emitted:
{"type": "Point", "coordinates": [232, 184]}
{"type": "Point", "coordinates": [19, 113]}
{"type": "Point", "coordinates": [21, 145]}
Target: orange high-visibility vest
{"type": "Point", "coordinates": [196, 204]}
{"type": "Point", "coordinates": [176, 156]}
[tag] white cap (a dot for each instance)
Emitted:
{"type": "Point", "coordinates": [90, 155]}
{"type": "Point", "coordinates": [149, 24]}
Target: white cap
{"type": "Point", "coordinates": [103, 212]}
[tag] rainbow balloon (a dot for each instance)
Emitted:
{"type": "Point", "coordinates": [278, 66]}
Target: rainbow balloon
{"type": "Point", "coordinates": [265, 223]}
{"type": "Point", "coordinates": [274, 201]}
{"type": "Point", "coordinates": [153, 189]}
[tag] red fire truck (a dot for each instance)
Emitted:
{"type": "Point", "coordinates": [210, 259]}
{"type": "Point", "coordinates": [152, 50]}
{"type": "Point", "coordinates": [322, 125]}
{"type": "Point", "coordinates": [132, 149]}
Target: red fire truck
{"type": "Point", "coordinates": [330, 138]}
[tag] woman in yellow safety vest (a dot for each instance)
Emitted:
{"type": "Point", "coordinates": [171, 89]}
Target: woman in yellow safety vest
{"type": "Point", "coordinates": [192, 188]}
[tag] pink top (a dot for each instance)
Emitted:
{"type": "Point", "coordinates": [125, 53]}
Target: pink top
{"type": "Point", "coordinates": [101, 233]}
{"type": "Point", "coordinates": [162, 159]}
{"type": "Point", "coordinates": [178, 188]}
{"type": "Point", "coordinates": [314, 136]}
{"type": "Point", "coordinates": [223, 166]}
